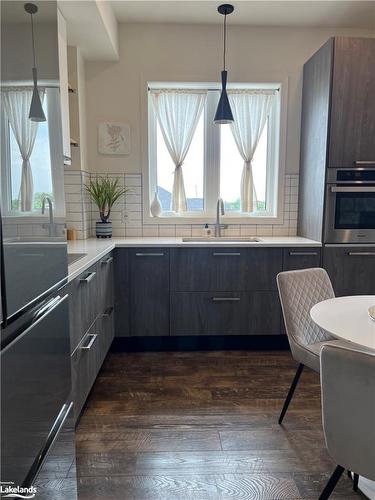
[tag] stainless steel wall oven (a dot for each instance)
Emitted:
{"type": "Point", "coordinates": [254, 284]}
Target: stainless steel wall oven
{"type": "Point", "coordinates": [350, 205]}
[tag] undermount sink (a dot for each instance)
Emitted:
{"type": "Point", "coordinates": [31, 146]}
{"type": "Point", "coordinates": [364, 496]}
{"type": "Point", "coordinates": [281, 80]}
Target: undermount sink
{"type": "Point", "coordinates": [73, 257]}
{"type": "Point", "coordinates": [233, 239]}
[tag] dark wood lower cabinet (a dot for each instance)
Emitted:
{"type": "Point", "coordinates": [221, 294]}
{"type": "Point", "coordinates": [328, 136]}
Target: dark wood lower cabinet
{"type": "Point", "coordinates": [225, 313]}
{"type": "Point", "coordinates": [149, 292]}
{"type": "Point", "coordinates": [351, 269]}
{"type": "Point", "coordinates": [91, 326]}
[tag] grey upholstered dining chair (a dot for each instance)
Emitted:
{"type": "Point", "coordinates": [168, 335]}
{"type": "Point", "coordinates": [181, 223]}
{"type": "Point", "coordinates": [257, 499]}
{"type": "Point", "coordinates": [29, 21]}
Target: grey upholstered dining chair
{"type": "Point", "coordinates": [299, 291]}
{"type": "Point", "coordinates": [348, 407]}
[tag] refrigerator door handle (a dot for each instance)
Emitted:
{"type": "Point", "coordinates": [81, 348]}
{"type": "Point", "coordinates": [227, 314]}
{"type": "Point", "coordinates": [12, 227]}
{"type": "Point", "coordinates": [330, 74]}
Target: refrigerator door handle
{"type": "Point", "coordinates": [51, 304]}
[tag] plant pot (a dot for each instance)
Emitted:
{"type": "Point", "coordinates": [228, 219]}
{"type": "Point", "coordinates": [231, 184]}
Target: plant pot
{"type": "Point", "coordinates": [104, 229]}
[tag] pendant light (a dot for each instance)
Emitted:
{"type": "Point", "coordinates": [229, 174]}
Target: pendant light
{"type": "Point", "coordinates": [224, 113]}
{"type": "Point", "coordinates": [36, 113]}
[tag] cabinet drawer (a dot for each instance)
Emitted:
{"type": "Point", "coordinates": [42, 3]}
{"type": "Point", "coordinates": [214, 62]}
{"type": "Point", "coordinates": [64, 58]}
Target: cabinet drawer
{"type": "Point", "coordinates": [83, 304]}
{"type": "Point", "coordinates": [85, 365]}
{"type": "Point", "coordinates": [351, 269]}
{"type": "Point", "coordinates": [223, 313]}
{"type": "Point", "coordinates": [300, 258]}
{"type": "Point", "coordinates": [222, 269]}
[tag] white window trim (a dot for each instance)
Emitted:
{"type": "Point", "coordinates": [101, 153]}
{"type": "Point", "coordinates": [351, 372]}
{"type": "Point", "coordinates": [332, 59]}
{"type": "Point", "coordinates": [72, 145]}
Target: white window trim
{"type": "Point", "coordinates": [54, 129]}
{"type": "Point", "coordinates": [276, 187]}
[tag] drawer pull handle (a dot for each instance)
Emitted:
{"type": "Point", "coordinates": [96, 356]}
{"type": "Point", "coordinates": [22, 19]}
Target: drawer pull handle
{"type": "Point", "coordinates": [107, 261]}
{"type": "Point", "coordinates": [359, 254]}
{"type": "Point", "coordinates": [108, 312]}
{"type": "Point", "coordinates": [364, 162]}
{"type": "Point", "coordinates": [302, 254]}
{"type": "Point", "coordinates": [226, 299]}
{"type": "Point", "coordinates": [226, 254]}
{"type": "Point", "coordinates": [149, 255]}
{"type": "Point", "coordinates": [92, 338]}
{"type": "Point", "coordinates": [88, 278]}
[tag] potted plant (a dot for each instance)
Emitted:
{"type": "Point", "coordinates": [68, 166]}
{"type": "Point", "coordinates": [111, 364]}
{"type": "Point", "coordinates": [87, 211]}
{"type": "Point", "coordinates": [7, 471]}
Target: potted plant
{"type": "Point", "coordinates": [104, 192]}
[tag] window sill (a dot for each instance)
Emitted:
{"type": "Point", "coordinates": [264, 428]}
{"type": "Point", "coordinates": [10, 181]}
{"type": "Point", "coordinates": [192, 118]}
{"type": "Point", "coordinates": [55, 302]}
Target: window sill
{"type": "Point", "coordinates": [211, 219]}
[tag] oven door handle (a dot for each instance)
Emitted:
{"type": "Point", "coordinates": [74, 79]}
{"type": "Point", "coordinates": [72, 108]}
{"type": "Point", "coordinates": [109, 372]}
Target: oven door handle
{"type": "Point", "coordinates": [352, 189]}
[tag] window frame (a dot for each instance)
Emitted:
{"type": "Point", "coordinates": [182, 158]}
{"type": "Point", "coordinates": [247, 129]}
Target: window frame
{"type": "Point", "coordinates": [54, 129]}
{"type": "Point", "coordinates": [275, 159]}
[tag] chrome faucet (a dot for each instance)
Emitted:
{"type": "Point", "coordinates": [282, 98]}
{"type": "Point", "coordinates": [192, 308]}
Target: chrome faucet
{"type": "Point", "coordinates": [219, 210]}
{"type": "Point", "coordinates": [51, 225]}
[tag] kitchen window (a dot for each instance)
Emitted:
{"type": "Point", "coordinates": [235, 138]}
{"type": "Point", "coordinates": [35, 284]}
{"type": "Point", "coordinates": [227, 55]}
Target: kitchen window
{"type": "Point", "coordinates": [44, 166]}
{"type": "Point", "coordinates": [213, 166]}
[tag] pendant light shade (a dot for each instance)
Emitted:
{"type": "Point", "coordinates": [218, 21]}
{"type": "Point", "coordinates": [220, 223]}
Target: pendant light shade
{"type": "Point", "coordinates": [36, 113]}
{"type": "Point", "coordinates": [223, 113]}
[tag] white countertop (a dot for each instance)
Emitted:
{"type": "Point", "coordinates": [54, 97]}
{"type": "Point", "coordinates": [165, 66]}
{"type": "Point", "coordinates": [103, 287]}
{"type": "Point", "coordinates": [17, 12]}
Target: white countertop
{"type": "Point", "coordinates": [95, 248]}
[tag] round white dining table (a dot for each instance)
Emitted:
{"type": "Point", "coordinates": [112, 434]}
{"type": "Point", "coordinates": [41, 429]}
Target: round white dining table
{"type": "Point", "coordinates": [347, 318]}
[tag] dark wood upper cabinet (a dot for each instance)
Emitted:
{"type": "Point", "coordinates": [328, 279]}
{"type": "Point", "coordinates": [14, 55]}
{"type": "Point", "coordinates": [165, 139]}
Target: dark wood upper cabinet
{"type": "Point", "coordinates": [314, 140]}
{"type": "Point", "coordinates": [352, 131]}
{"type": "Point", "coordinates": [337, 123]}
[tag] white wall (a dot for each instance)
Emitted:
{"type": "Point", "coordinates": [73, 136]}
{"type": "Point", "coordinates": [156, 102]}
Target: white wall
{"type": "Point", "coordinates": [116, 91]}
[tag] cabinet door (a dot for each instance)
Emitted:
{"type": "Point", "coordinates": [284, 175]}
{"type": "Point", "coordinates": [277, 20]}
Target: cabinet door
{"type": "Point", "coordinates": [300, 258]}
{"type": "Point", "coordinates": [224, 313]}
{"type": "Point", "coordinates": [149, 296]}
{"type": "Point", "coordinates": [351, 269]}
{"type": "Point", "coordinates": [106, 333]}
{"type": "Point", "coordinates": [122, 292]}
{"type": "Point", "coordinates": [353, 105]}
{"type": "Point", "coordinates": [105, 283]}
{"type": "Point", "coordinates": [64, 95]}
{"type": "Point", "coordinates": [225, 269]}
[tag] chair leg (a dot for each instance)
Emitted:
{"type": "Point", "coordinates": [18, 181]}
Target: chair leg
{"type": "Point", "coordinates": [330, 486]}
{"type": "Point", "coordinates": [355, 482]}
{"type": "Point", "coordinates": [291, 392]}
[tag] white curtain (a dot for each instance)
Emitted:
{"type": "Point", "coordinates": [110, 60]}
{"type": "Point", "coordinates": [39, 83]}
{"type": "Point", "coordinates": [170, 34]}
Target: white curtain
{"type": "Point", "coordinates": [178, 113]}
{"type": "Point", "coordinates": [17, 106]}
{"type": "Point", "coordinates": [250, 111]}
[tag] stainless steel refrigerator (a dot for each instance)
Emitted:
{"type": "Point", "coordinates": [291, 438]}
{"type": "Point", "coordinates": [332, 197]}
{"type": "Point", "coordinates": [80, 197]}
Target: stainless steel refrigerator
{"type": "Point", "coordinates": [37, 435]}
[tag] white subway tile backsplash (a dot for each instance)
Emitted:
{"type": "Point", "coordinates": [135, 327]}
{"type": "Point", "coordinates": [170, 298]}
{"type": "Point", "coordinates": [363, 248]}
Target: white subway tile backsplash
{"type": "Point", "coordinates": [248, 230]}
{"type": "Point", "coordinates": [127, 214]}
{"type": "Point", "coordinates": [167, 231]}
{"type": "Point", "coordinates": [183, 230]}
{"type": "Point", "coordinates": [264, 231]}
{"type": "Point", "coordinates": [133, 232]}
{"type": "Point", "coordinates": [149, 230]}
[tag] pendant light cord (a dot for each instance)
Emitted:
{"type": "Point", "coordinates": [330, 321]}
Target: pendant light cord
{"type": "Point", "coordinates": [225, 38]}
{"type": "Point", "coordinates": [32, 38]}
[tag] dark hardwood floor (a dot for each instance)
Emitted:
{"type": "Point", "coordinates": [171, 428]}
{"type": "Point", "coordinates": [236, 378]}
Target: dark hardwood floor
{"type": "Point", "coordinates": [202, 426]}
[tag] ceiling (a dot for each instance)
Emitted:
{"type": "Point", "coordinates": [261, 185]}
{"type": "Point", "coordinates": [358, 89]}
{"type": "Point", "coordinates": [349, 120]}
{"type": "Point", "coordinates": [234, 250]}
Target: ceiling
{"type": "Point", "coordinates": [308, 13]}
{"type": "Point", "coordinates": [14, 12]}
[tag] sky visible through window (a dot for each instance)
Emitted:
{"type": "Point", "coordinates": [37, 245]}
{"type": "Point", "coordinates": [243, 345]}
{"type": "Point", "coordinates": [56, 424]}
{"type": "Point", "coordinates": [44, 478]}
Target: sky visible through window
{"type": "Point", "coordinates": [231, 164]}
{"type": "Point", "coordinates": [40, 162]}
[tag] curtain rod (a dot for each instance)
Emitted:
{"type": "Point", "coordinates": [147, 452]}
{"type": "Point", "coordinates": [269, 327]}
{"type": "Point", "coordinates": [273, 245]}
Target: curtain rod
{"type": "Point", "coordinates": [212, 90]}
